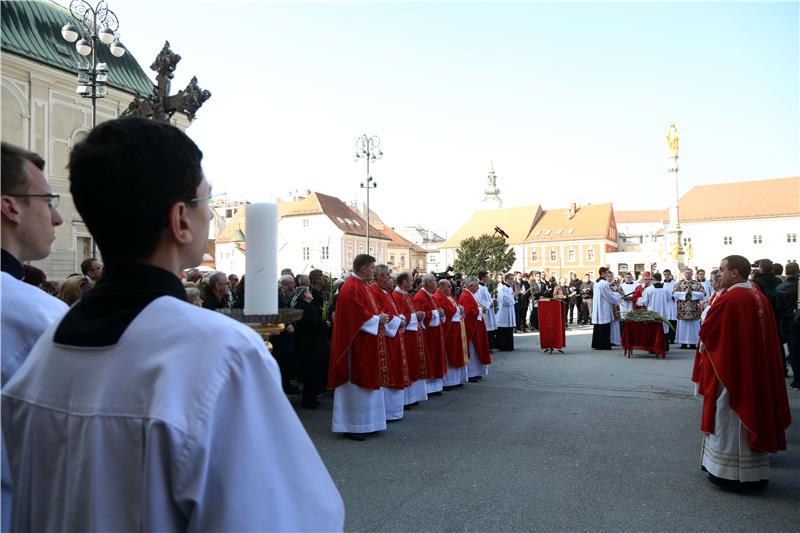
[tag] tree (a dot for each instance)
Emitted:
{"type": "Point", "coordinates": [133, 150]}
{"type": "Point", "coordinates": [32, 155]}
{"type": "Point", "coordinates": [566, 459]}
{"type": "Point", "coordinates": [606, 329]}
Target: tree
{"type": "Point", "coordinates": [486, 252]}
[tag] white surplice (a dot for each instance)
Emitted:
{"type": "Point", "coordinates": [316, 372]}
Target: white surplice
{"type": "Point", "coordinates": [604, 298]}
{"type": "Point", "coordinates": [658, 300]}
{"type": "Point", "coordinates": [672, 310]}
{"type": "Point", "coordinates": [167, 430]}
{"type": "Point", "coordinates": [506, 317]}
{"type": "Point", "coordinates": [27, 311]}
{"type": "Point", "coordinates": [485, 300]}
{"type": "Point", "coordinates": [626, 305]}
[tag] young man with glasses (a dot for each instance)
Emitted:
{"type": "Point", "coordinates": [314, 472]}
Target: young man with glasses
{"type": "Point", "coordinates": [124, 418]}
{"type": "Point", "coordinates": [29, 219]}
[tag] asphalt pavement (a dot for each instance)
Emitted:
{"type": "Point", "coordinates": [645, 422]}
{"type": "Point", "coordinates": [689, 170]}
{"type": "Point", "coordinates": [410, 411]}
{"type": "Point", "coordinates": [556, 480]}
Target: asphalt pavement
{"type": "Point", "coordinates": [584, 441]}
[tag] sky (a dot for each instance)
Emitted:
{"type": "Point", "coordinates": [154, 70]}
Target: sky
{"type": "Point", "coordinates": [571, 102]}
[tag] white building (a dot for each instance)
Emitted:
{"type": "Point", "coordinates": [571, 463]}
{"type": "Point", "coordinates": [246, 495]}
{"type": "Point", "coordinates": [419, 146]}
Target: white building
{"type": "Point", "coordinates": [318, 231]}
{"type": "Point", "coordinates": [757, 219]}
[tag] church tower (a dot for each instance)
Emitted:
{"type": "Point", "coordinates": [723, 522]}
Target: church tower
{"type": "Point", "coordinates": [491, 196]}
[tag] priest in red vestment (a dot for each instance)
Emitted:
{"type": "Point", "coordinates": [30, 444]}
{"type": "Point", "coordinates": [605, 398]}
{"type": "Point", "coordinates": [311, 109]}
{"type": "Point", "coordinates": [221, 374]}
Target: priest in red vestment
{"type": "Point", "coordinates": [414, 340]}
{"type": "Point", "coordinates": [474, 323]}
{"type": "Point", "coordinates": [639, 291]}
{"type": "Point", "coordinates": [739, 372]}
{"type": "Point", "coordinates": [435, 353]}
{"type": "Point", "coordinates": [455, 336]}
{"type": "Point", "coordinates": [393, 390]}
{"type": "Point", "coordinates": [359, 363]}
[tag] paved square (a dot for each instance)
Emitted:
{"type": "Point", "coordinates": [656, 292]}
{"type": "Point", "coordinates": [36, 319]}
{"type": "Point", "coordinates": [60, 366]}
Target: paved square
{"type": "Point", "coordinates": [582, 441]}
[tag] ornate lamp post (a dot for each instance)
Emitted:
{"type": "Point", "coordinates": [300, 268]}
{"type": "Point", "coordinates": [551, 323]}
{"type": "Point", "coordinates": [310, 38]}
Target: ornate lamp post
{"type": "Point", "coordinates": [674, 246]}
{"type": "Point", "coordinates": [98, 24]}
{"type": "Point", "coordinates": [368, 148]}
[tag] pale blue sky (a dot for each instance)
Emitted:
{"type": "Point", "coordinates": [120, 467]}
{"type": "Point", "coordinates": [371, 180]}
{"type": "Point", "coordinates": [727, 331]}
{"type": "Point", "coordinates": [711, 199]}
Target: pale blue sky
{"type": "Point", "coordinates": [570, 101]}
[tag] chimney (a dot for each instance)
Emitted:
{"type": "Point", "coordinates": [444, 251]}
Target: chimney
{"type": "Point", "coordinates": [573, 208]}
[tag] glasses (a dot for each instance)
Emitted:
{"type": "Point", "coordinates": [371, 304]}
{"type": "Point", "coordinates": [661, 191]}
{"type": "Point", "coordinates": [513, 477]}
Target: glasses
{"type": "Point", "coordinates": [53, 200]}
{"type": "Point", "coordinates": [208, 198]}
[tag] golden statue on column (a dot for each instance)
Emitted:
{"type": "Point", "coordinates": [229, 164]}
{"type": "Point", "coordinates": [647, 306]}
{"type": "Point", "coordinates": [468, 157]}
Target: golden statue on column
{"type": "Point", "coordinates": [672, 139]}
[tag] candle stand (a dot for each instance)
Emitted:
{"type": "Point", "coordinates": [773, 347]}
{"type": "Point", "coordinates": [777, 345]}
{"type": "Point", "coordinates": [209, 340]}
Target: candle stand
{"type": "Point", "coordinates": [266, 325]}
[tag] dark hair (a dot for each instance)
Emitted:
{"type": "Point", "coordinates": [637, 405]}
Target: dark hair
{"type": "Point", "coordinates": [13, 179]}
{"type": "Point", "coordinates": [602, 271]}
{"type": "Point", "coordinates": [33, 275]}
{"type": "Point", "coordinates": [402, 277]}
{"type": "Point", "coordinates": [126, 176]}
{"type": "Point", "coordinates": [701, 270]}
{"type": "Point", "coordinates": [86, 265]}
{"type": "Point", "coordinates": [740, 263]}
{"type": "Point", "coordinates": [482, 273]}
{"type": "Point", "coordinates": [657, 276]}
{"type": "Point", "coordinates": [764, 264]}
{"type": "Point", "coordinates": [792, 269]}
{"type": "Point", "coordinates": [362, 260]}
{"type": "Point", "coordinates": [777, 269]}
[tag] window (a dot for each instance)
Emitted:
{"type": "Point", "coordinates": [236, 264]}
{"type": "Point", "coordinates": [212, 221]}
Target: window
{"type": "Point", "coordinates": [553, 255]}
{"type": "Point", "coordinates": [686, 241]}
{"type": "Point", "coordinates": [371, 250]}
{"type": "Point", "coordinates": [402, 260]}
{"type": "Point", "coordinates": [349, 252]}
{"type": "Point", "coordinates": [306, 253]}
{"type": "Point", "coordinates": [590, 254]}
{"type": "Point", "coordinates": [791, 237]}
{"type": "Point", "coordinates": [727, 240]}
{"type": "Point", "coordinates": [757, 239]}
{"type": "Point", "coordinates": [534, 255]}
{"type": "Point", "coordinates": [305, 222]}
{"type": "Point", "coordinates": [361, 248]}
{"type": "Point", "coordinates": [228, 213]}
{"type": "Point", "coordinates": [571, 255]}
{"type": "Point", "coordinates": [326, 252]}
{"type": "Point", "coordinates": [391, 259]}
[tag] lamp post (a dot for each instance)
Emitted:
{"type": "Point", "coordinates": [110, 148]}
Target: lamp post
{"type": "Point", "coordinates": [98, 24]}
{"type": "Point", "coordinates": [368, 148]}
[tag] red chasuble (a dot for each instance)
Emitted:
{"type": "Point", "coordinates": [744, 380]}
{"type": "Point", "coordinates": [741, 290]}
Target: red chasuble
{"type": "Point", "coordinates": [368, 356]}
{"type": "Point", "coordinates": [476, 329]}
{"type": "Point", "coordinates": [414, 340]}
{"type": "Point", "coordinates": [741, 349]}
{"type": "Point", "coordinates": [396, 348]}
{"type": "Point", "coordinates": [434, 337]}
{"type": "Point", "coordinates": [551, 325]}
{"type": "Point", "coordinates": [455, 337]}
{"type": "Point", "coordinates": [637, 293]}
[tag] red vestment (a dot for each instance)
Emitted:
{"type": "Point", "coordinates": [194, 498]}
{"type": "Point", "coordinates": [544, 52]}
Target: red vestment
{"type": "Point", "coordinates": [476, 329]}
{"type": "Point", "coordinates": [435, 352]}
{"type": "Point", "coordinates": [637, 293]}
{"type": "Point", "coordinates": [396, 348]}
{"type": "Point", "coordinates": [455, 337]}
{"type": "Point", "coordinates": [368, 366]}
{"type": "Point", "coordinates": [414, 340]}
{"type": "Point", "coordinates": [740, 348]}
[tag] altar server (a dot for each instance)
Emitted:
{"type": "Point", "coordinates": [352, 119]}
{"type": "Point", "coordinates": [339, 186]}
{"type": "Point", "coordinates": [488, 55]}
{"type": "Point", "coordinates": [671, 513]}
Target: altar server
{"type": "Point", "coordinates": [672, 316]}
{"type": "Point", "coordinates": [602, 312]}
{"type": "Point", "coordinates": [506, 317]}
{"type": "Point", "coordinates": [628, 287]}
{"type": "Point", "coordinates": [121, 419]}
{"type": "Point", "coordinates": [487, 302]}
{"type": "Point", "coordinates": [29, 218]}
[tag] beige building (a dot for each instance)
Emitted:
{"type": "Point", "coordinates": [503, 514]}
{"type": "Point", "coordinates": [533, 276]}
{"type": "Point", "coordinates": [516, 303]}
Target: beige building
{"type": "Point", "coordinates": [42, 112]}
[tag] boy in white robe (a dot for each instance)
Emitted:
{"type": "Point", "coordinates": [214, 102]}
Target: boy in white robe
{"type": "Point", "coordinates": [138, 410]}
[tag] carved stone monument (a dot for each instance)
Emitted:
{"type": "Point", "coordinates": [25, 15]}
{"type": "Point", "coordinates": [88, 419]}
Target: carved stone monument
{"type": "Point", "coordinates": [160, 105]}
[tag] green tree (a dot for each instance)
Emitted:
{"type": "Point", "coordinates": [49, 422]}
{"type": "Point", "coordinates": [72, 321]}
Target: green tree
{"type": "Point", "coordinates": [486, 252]}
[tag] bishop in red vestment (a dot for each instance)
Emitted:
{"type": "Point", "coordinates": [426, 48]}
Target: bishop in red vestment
{"type": "Point", "coordinates": [393, 389]}
{"type": "Point", "coordinates": [455, 337]}
{"type": "Point", "coordinates": [414, 340]}
{"type": "Point", "coordinates": [477, 338]}
{"type": "Point", "coordinates": [739, 372]}
{"type": "Point", "coordinates": [435, 353]}
{"type": "Point", "coordinates": [359, 363]}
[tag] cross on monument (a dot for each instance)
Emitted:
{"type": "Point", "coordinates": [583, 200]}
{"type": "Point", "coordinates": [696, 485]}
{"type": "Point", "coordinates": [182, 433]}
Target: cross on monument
{"type": "Point", "coordinates": [160, 105]}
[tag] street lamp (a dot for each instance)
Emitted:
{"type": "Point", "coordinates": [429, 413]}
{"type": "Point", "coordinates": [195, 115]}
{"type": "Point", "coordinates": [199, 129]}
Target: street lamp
{"type": "Point", "coordinates": [368, 148]}
{"type": "Point", "coordinates": [98, 24]}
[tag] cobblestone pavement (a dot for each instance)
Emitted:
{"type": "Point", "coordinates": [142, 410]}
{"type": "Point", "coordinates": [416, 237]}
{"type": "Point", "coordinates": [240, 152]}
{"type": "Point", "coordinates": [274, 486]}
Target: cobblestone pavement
{"type": "Point", "coordinates": [583, 441]}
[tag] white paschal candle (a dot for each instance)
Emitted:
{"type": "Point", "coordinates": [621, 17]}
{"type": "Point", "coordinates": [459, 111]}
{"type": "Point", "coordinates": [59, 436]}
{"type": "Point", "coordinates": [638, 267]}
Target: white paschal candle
{"type": "Point", "coordinates": [261, 260]}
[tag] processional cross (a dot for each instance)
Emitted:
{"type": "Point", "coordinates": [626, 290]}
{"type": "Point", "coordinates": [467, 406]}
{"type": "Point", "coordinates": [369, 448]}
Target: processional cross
{"type": "Point", "coordinates": [160, 105]}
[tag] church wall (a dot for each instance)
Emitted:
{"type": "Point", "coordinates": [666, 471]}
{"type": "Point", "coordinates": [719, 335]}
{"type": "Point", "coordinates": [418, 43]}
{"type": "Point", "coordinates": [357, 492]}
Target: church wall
{"type": "Point", "coordinates": [229, 258]}
{"type": "Point", "coordinates": [306, 242]}
{"type": "Point", "coordinates": [41, 112]}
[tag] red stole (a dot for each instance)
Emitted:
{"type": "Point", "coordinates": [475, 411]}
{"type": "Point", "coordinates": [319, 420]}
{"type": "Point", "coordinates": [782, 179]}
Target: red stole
{"type": "Point", "coordinates": [398, 367]}
{"type": "Point", "coordinates": [413, 340]}
{"type": "Point", "coordinates": [476, 329]}
{"type": "Point", "coordinates": [741, 349]}
{"type": "Point", "coordinates": [454, 341]}
{"type": "Point", "coordinates": [368, 365]}
{"type": "Point", "coordinates": [434, 337]}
